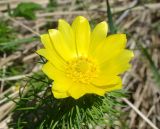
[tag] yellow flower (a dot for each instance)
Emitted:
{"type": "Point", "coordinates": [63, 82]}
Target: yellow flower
{"type": "Point", "coordinates": [83, 62]}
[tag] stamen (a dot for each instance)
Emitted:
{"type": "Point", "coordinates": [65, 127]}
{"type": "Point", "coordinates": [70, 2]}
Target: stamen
{"type": "Point", "coordinates": [81, 70]}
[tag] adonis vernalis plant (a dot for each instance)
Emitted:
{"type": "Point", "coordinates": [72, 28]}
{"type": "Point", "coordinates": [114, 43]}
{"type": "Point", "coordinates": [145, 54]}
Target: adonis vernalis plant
{"type": "Point", "coordinates": [81, 61]}
{"type": "Point", "coordinates": [84, 68]}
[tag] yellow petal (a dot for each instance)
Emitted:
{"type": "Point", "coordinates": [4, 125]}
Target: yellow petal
{"type": "Point", "coordinates": [61, 83]}
{"type": "Point", "coordinates": [46, 41]}
{"type": "Point", "coordinates": [41, 52]}
{"type": "Point", "coordinates": [50, 53]}
{"type": "Point", "coordinates": [118, 64]}
{"type": "Point", "coordinates": [59, 95]}
{"type": "Point", "coordinates": [62, 86]}
{"type": "Point", "coordinates": [81, 28]}
{"type": "Point", "coordinates": [110, 47]}
{"type": "Point", "coordinates": [52, 57]}
{"type": "Point", "coordinates": [113, 87]}
{"type": "Point", "coordinates": [68, 35]}
{"type": "Point", "coordinates": [78, 90]}
{"type": "Point", "coordinates": [98, 35]}
{"type": "Point", "coordinates": [60, 46]}
{"type": "Point", "coordinates": [48, 44]}
{"type": "Point", "coordinates": [52, 72]}
{"type": "Point", "coordinates": [104, 80]}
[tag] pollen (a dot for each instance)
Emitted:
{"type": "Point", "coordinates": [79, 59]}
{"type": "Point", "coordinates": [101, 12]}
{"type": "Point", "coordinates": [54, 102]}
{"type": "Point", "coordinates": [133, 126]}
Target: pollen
{"type": "Point", "coordinates": [81, 70]}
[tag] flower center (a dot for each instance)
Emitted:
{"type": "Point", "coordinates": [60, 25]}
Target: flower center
{"type": "Point", "coordinates": [81, 70]}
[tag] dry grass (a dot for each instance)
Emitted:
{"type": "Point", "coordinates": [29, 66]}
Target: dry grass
{"type": "Point", "coordinates": [140, 23]}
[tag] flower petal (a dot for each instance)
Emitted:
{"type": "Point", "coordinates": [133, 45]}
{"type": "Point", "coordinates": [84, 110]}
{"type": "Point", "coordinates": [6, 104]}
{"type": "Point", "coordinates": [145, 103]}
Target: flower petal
{"type": "Point", "coordinates": [78, 90]}
{"type": "Point", "coordinates": [59, 88]}
{"type": "Point", "coordinates": [60, 46]}
{"type": "Point", "coordinates": [59, 95]}
{"type": "Point", "coordinates": [52, 57]}
{"type": "Point", "coordinates": [110, 47]}
{"type": "Point", "coordinates": [49, 53]}
{"type": "Point", "coordinates": [62, 86]}
{"type": "Point", "coordinates": [104, 80]}
{"type": "Point", "coordinates": [68, 35]}
{"type": "Point", "coordinates": [113, 87]}
{"type": "Point", "coordinates": [98, 35]}
{"type": "Point", "coordinates": [52, 72]}
{"type": "Point", "coordinates": [118, 64]}
{"type": "Point", "coordinates": [46, 41]}
{"type": "Point", "coordinates": [81, 28]}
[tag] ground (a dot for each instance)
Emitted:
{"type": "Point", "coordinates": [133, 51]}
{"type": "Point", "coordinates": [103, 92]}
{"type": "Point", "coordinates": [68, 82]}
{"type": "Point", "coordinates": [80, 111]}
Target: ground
{"type": "Point", "coordinates": [139, 19]}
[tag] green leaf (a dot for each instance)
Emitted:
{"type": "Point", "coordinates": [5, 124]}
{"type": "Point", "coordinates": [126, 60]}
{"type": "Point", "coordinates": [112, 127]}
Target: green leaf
{"type": "Point", "coordinates": [52, 3]}
{"type": "Point", "coordinates": [7, 34]}
{"type": "Point", "coordinates": [27, 10]}
{"type": "Point", "coordinates": [14, 44]}
{"type": "Point", "coordinates": [154, 68]}
{"type": "Point", "coordinates": [110, 19]}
